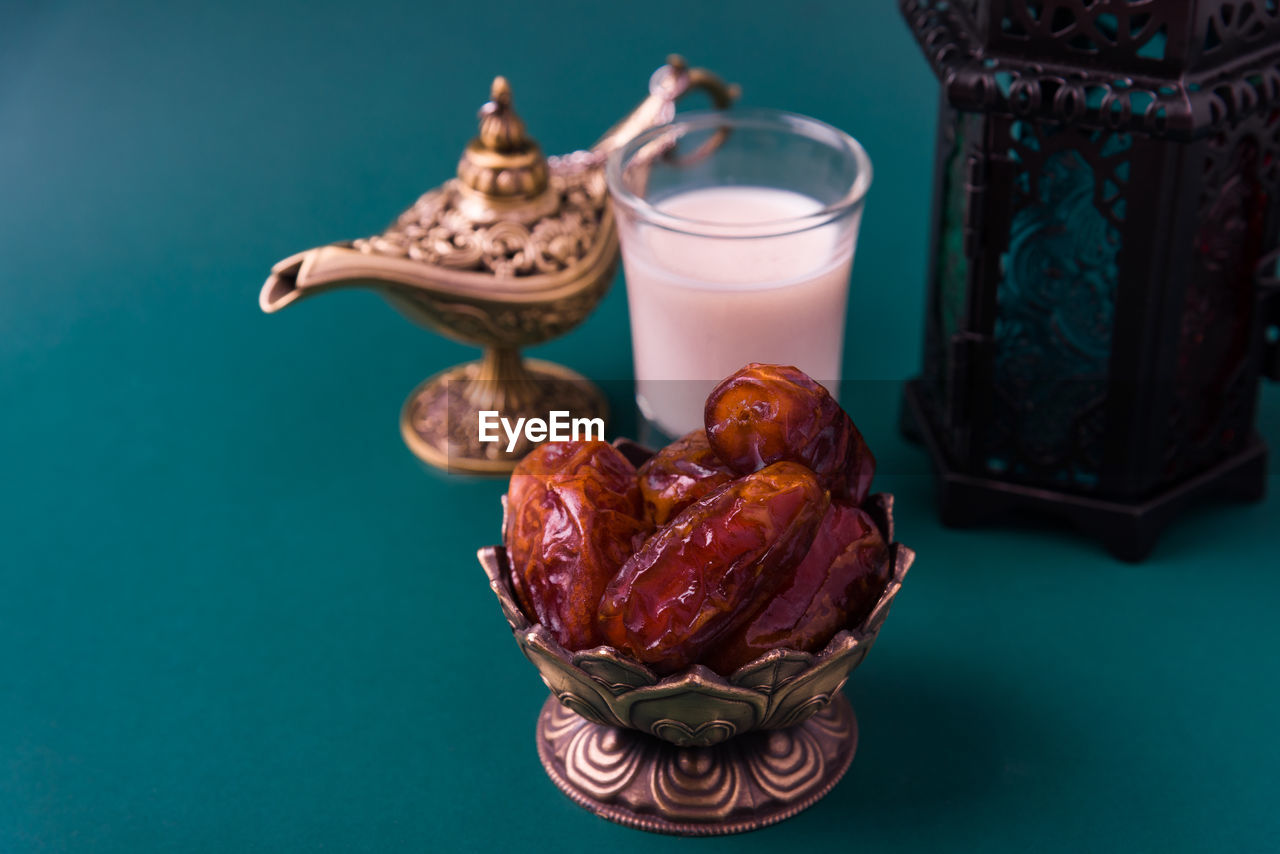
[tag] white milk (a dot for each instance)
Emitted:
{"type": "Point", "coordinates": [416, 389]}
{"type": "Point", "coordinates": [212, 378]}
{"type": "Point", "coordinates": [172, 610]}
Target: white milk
{"type": "Point", "coordinates": [702, 307]}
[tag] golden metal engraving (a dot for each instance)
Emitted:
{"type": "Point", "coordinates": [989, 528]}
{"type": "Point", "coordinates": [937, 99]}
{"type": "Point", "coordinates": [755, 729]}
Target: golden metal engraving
{"type": "Point", "coordinates": [515, 250]}
{"type": "Point", "coordinates": [744, 784]}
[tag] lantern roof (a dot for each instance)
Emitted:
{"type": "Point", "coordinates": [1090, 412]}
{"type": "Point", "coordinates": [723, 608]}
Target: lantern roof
{"type": "Point", "coordinates": [1180, 69]}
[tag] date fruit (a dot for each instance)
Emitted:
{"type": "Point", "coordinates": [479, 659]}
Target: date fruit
{"type": "Point", "coordinates": [833, 588]}
{"type": "Point", "coordinates": [573, 518]}
{"type": "Point", "coordinates": [765, 413]}
{"type": "Point", "coordinates": [712, 566]}
{"type": "Point", "coordinates": [679, 475]}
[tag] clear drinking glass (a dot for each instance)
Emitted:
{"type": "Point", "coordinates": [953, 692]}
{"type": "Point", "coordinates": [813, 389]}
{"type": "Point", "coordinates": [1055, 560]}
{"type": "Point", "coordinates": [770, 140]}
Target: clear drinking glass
{"type": "Point", "coordinates": [738, 230]}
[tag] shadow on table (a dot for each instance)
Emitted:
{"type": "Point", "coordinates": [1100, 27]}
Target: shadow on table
{"type": "Point", "coordinates": [934, 745]}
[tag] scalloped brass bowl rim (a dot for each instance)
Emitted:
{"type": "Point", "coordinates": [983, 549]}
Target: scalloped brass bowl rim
{"type": "Point", "coordinates": [698, 706]}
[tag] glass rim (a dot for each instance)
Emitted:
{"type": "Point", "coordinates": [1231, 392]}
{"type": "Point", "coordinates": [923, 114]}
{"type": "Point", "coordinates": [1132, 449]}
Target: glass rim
{"type": "Point", "coordinates": [733, 119]}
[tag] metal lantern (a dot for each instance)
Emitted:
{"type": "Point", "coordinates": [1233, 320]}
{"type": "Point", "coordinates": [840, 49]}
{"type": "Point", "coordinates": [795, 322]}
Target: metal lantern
{"type": "Point", "coordinates": [1102, 300]}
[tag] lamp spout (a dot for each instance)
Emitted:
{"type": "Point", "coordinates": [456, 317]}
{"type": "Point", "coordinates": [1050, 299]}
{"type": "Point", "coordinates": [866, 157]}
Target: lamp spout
{"type": "Point", "coordinates": [281, 288]}
{"type": "Point", "coordinates": [314, 271]}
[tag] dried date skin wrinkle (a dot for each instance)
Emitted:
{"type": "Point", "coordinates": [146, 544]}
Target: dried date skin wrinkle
{"type": "Point", "coordinates": [834, 587]}
{"type": "Point", "coordinates": [766, 413]}
{"type": "Point", "coordinates": [679, 475]}
{"type": "Point", "coordinates": [573, 516]}
{"type": "Point", "coordinates": [712, 566]}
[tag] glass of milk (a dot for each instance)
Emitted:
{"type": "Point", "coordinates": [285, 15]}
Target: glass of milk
{"type": "Point", "coordinates": [737, 231]}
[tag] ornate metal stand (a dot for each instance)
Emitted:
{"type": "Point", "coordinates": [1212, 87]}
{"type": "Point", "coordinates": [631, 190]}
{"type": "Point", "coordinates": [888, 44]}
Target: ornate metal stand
{"type": "Point", "coordinates": [756, 779]}
{"type": "Point", "coordinates": [1129, 530]}
{"type": "Point", "coordinates": [440, 420]}
{"type": "Point", "coordinates": [697, 753]}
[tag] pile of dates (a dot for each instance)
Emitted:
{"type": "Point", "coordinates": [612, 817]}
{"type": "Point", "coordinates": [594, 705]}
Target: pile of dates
{"type": "Point", "coordinates": [734, 540]}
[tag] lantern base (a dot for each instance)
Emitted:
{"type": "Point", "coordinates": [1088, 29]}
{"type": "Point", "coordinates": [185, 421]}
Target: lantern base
{"type": "Point", "coordinates": [1128, 529]}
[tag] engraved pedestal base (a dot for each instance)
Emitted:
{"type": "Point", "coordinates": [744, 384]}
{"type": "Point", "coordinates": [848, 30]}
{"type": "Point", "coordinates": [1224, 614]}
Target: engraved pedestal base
{"type": "Point", "coordinates": [1128, 528]}
{"type": "Point", "coordinates": [440, 420]}
{"type": "Point", "coordinates": [748, 782]}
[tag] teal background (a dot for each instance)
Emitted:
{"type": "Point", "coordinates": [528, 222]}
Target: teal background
{"type": "Point", "coordinates": [235, 613]}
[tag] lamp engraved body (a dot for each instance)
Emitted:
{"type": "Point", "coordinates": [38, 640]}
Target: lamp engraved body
{"type": "Point", "coordinates": [515, 250]}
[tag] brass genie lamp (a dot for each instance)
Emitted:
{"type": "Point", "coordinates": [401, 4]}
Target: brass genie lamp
{"type": "Point", "coordinates": [517, 249]}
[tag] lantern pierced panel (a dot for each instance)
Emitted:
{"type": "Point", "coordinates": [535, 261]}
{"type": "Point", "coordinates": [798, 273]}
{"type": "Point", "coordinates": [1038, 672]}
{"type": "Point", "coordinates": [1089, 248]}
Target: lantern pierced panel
{"type": "Point", "coordinates": [1056, 304]}
{"type": "Point", "coordinates": [1214, 384]}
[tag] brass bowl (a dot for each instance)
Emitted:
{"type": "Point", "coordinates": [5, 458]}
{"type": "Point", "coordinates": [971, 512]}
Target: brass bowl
{"type": "Point", "coordinates": [697, 753]}
{"type": "Point", "coordinates": [698, 707]}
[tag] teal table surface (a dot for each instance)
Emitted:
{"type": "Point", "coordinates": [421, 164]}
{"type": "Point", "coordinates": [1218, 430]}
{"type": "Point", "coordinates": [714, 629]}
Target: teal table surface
{"type": "Point", "coordinates": [237, 615]}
